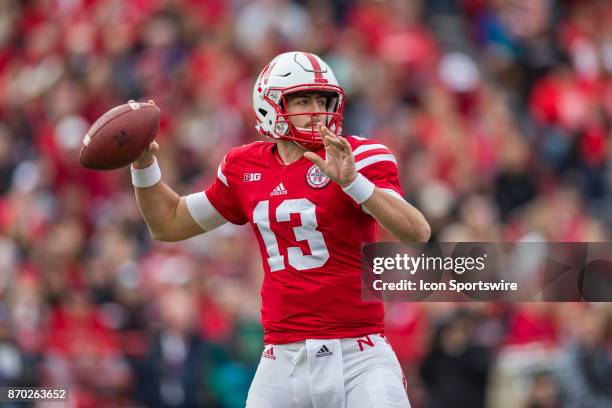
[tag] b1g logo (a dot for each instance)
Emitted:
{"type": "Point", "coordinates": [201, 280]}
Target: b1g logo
{"type": "Point", "coordinates": [252, 177]}
{"type": "Point", "coordinates": [316, 178]}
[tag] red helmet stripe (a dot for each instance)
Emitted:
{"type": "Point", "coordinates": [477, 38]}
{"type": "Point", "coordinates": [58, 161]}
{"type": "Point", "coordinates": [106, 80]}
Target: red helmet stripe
{"type": "Point", "coordinates": [316, 67]}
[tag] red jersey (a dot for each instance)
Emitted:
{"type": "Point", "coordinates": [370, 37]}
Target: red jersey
{"type": "Point", "coordinates": [310, 234]}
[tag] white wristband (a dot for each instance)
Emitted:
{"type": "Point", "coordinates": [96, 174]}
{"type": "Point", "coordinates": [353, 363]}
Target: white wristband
{"type": "Point", "coordinates": [360, 189]}
{"type": "Point", "coordinates": [147, 177]}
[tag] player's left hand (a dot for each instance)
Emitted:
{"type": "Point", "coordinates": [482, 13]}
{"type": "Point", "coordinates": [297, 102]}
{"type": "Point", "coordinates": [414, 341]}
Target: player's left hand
{"type": "Point", "coordinates": [339, 163]}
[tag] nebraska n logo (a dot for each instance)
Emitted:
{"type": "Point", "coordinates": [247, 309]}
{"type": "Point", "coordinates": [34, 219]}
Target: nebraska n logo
{"type": "Point", "coordinates": [361, 342]}
{"type": "Point", "coordinates": [265, 74]}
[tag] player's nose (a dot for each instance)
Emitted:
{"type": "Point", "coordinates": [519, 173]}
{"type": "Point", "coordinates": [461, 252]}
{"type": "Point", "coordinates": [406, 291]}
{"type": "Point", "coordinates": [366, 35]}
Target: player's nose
{"type": "Point", "coordinates": [317, 117]}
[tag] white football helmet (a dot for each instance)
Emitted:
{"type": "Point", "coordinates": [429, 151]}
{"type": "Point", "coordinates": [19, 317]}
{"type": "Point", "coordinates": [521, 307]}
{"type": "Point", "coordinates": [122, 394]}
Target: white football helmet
{"type": "Point", "coordinates": [289, 73]}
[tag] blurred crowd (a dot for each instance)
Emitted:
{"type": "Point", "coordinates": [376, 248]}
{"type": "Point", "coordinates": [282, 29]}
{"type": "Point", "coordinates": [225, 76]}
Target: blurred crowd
{"type": "Point", "coordinates": [498, 111]}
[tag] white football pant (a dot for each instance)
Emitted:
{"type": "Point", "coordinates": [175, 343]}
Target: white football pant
{"type": "Point", "coordinates": [346, 373]}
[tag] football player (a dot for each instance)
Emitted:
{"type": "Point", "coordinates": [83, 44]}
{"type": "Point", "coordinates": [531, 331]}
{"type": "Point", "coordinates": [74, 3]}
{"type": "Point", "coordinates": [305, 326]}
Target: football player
{"type": "Point", "coordinates": [312, 197]}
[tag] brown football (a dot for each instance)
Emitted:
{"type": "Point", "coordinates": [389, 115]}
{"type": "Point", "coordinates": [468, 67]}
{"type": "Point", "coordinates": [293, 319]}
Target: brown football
{"type": "Point", "coordinates": [118, 137]}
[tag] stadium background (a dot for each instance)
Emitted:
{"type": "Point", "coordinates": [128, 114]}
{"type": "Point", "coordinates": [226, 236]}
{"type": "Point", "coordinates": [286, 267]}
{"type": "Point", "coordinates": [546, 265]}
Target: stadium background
{"type": "Point", "coordinates": [499, 114]}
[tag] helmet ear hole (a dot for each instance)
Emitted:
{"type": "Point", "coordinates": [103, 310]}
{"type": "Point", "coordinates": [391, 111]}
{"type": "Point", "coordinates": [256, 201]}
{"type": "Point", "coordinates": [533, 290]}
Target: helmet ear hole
{"type": "Point", "coordinates": [263, 112]}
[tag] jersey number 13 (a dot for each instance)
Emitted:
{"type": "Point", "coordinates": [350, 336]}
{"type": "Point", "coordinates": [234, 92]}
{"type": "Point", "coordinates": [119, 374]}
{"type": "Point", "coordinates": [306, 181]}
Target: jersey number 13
{"type": "Point", "coordinates": [307, 231]}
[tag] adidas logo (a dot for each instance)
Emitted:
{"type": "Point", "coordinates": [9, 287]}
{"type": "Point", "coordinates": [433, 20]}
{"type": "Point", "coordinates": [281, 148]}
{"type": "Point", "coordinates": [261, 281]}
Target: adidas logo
{"type": "Point", "coordinates": [324, 352]}
{"type": "Point", "coordinates": [269, 353]}
{"type": "Point", "coordinates": [278, 190]}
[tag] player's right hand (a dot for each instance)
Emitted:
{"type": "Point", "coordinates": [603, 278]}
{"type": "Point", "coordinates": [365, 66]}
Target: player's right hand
{"type": "Point", "coordinates": [146, 157]}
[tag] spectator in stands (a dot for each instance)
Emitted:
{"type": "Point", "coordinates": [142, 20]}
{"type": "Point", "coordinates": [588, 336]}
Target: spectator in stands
{"type": "Point", "coordinates": [455, 370]}
{"type": "Point", "coordinates": [584, 369]}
